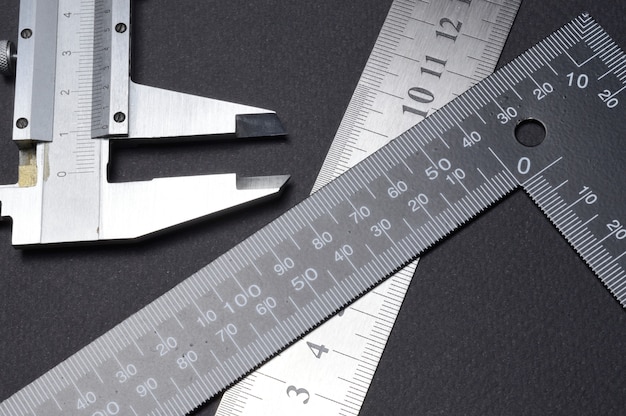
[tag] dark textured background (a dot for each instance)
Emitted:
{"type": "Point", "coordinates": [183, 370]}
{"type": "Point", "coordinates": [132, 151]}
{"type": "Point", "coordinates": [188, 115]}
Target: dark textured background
{"type": "Point", "coordinates": [502, 319]}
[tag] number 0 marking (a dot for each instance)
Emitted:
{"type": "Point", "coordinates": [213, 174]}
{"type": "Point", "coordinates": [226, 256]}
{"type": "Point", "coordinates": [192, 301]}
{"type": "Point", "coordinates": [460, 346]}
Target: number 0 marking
{"type": "Point", "coordinates": [523, 166]}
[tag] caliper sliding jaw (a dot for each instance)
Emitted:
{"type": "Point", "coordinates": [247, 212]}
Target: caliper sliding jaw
{"type": "Point", "coordinates": [73, 95]}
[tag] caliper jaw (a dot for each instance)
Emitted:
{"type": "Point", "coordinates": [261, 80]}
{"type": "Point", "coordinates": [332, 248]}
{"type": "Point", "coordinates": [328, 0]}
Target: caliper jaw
{"type": "Point", "coordinates": [157, 113]}
{"type": "Point", "coordinates": [63, 125]}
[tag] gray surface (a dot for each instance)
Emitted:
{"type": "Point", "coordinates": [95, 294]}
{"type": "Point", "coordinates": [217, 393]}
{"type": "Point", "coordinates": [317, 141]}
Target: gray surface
{"type": "Point", "coordinates": [489, 331]}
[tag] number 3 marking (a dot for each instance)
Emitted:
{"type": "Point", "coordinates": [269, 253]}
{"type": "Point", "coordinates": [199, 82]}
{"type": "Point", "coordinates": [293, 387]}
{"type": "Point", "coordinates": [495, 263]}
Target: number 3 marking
{"type": "Point", "coordinates": [294, 389]}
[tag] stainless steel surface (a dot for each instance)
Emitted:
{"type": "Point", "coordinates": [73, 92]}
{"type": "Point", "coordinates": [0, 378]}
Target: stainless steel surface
{"type": "Point", "coordinates": [419, 37]}
{"type": "Point", "coordinates": [35, 83]}
{"type": "Point", "coordinates": [225, 319]}
{"type": "Point", "coordinates": [72, 85]}
{"type": "Point", "coordinates": [159, 113]}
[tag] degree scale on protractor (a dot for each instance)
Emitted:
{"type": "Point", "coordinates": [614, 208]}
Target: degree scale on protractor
{"type": "Point", "coordinates": [595, 312]}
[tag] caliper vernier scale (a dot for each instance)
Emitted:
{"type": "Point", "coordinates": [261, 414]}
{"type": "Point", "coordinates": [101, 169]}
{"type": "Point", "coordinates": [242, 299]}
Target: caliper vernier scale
{"type": "Point", "coordinates": [570, 82]}
{"type": "Point", "coordinates": [73, 95]}
{"type": "Point", "coordinates": [446, 46]}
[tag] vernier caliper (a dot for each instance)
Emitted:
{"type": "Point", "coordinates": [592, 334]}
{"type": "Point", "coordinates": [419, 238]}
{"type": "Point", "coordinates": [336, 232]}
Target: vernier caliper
{"type": "Point", "coordinates": [73, 94]}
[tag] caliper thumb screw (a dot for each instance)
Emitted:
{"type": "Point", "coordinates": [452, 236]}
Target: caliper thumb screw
{"type": "Point", "coordinates": [8, 57]}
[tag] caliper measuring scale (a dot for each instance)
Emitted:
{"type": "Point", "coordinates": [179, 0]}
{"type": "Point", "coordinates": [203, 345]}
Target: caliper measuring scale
{"type": "Point", "coordinates": [73, 96]}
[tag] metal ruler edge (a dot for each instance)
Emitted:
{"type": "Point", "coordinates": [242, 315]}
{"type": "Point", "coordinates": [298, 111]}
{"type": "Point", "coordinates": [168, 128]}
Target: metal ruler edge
{"type": "Point", "coordinates": [264, 390]}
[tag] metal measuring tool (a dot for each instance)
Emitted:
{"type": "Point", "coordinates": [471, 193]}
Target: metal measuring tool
{"type": "Point", "coordinates": [448, 47]}
{"type": "Point", "coordinates": [73, 95]}
{"type": "Point", "coordinates": [225, 319]}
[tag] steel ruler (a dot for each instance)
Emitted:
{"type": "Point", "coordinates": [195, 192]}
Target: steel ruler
{"type": "Point", "coordinates": [239, 310]}
{"type": "Point", "coordinates": [446, 47]}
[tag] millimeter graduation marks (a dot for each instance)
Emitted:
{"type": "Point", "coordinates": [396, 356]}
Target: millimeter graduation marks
{"type": "Point", "coordinates": [221, 322]}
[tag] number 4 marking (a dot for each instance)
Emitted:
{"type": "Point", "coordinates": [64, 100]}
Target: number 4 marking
{"type": "Point", "coordinates": [317, 350]}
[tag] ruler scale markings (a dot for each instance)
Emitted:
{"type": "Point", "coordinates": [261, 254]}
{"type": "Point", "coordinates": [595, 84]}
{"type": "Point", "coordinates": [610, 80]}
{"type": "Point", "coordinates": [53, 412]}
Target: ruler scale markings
{"type": "Point", "coordinates": [577, 228]}
{"type": "Point", "coordinates": [52, 388]}
{"type": "Point", "coordinates": [255, 250]}
{"type": "Point", "coordinates": [23, 404]}
{"type": "Point", "coordinates": [619, 257]}
{"type": "Point", "coordinates": [608, 270]}
{"type": "Point", "coordinates": [185, 299]}
{"type": "Point", "coordinates": [599, 40]}
{"type": "Point", "coordinates": [166, 311]}
{"type": "Point", "coordinates": [616, 289]}
{"type": "Point", "coordinates": [492, 185]}
{"type": "Point", "coordinates": [238, 260]}
{"type": "Point", "coordinates": [550, 198]}
{"type": "Point", "coordinates": [582, 228]}
{"type": "Point", "coordinates": [210, 274]}
{"type": "Point", "coordinates": [279, 234]}
{"type": "Point", "coordinates": [588, 238]}
{"type": "Point", "coordinates": [553, 195]}
{"type": "Point", "coordinates": [29, 401]}
{"type": "Point", "coordinates": [569, 221]}
{"type": "Point", "coordinates": [484, 196]}
{"type": "Point", "coordinates": [552, 47]}
{"type": "Point", "coordinates": [4, 411]}
{"type": "Point", "coordinates": [91, 365]}
{"type": "Point", "coordinates": [601, 258]}
{"type": "Point", "coordinates": [35, 392]}
{"type": "Point", "coordinates": [585, 237]}
{"type": "Point", "coordinates": [569, 36]}
{"type": "Point", "coordinates": [620, 289]}
{"type": "Point", "coordinates": [558, 214]}
{"type": "Point", "coordinates": [590, 245]}
{"type": "Point", "coordinates": [384, 256]}
{"type": "Point", "coordinates": [322, 208]}
{"type": "Point", "coordinates": [463, 103]}
{"type": "Point", "coordinates": [43, 384]}
{"type": "Point", "coordinates": [54, 379]}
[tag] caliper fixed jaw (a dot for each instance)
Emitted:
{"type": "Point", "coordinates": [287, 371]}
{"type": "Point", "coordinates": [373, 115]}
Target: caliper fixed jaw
{"type": "Point", "coordinates": [72, 99]}
{"type": "Point", "coordinates": [132, 210]}
{"type": "Point", "coordinates": [156, 113]}
{"type": "Point", "coordinates": [50, 206]}
{"type": "Point", "coordinates": [129, 210]}
{"type": "Point", "coordinates": [135, 209]}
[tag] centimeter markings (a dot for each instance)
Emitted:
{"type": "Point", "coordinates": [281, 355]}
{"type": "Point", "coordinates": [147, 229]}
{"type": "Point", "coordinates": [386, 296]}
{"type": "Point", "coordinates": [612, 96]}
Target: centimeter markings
{"type": "Point", "coordinates": [410, 41]}
{"type": "Point", "coordinates": [220, 323]}
{"type": "Point", "coordinates": [592, 242]}
{"type": "Point", "coordinates": [356, 350]}
{"type": "Point", "coordinates": [332, 367]}
{"type": "Point", "coordinates": [75, 79]}
{"type": "Point", "coordinates": [83, 43]}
